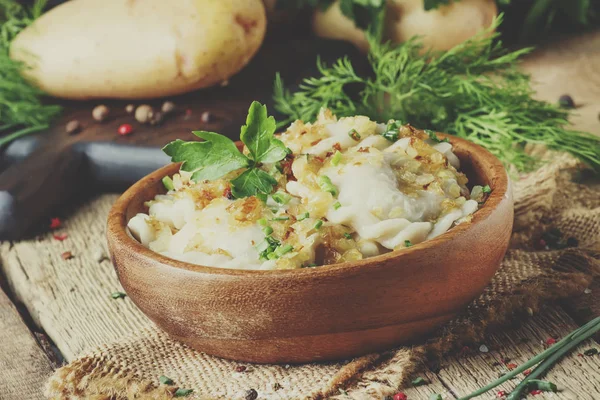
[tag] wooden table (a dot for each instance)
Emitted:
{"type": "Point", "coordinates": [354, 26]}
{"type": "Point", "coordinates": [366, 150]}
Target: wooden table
{"type": "Point", "coordinates": [28, 319]}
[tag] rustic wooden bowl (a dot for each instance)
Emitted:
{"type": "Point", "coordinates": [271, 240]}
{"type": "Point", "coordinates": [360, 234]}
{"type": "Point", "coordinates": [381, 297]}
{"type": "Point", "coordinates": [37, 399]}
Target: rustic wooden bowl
{"type": "Point", "coordinates": [324, 313]}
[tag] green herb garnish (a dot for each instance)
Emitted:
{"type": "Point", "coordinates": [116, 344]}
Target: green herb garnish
{"type": "Point", "coordinates": [280, 219]}
{"type": "Point", "coordinates": [353, 133]}
{"type": "Point", "coordinates": [303, 216]}
{"type": "Point", "coordinates": [392, 130]}
{"type": "Point", "coordinates": [165, 380]}
{"type": "Point", "coordinates": [418, 381]}
{"type": "Point", "coordinates": [218, 155]}
{"type": "Point", "coordinates": [326, 185]}
{"type": "Point", "coordinates": [545, 360]}
{"type": "Point", "coordinates": [183, 392]}
{"type": "Point", "coordinates": [267, 230]}
{"type": "Point", "coordinates": [434, 137]}
{"type": "Point", "coordinates": [474, 90]}
{"type": "Point", "coordinates": [336, 205]}
{"type": "Point", "coordinates": [168, 183]}
{"type": "Point", "coordinates": [318, 224]}
{"type": "Point", "coordinates": [22, 110]}
{"type": "Point", "coordinates": [486, 189]}
{"type": "Point", "coordinates": [280, 251]}
{"type": "Point", "coordinates": [347, 235]}
{"type": "Point", "coordinates": [337, 157]}
{"type": "Point", "coordinates": [311, 265]}
{"type": "Point", "coordinates": [435, 396]}
{"type": "Point", "coordinates": [267, 247]}
{"type": "Point", "coordinates": [407, 243]}
{"type": "Point", "coordinates": [281, 197]}
{"type": "Point", "coordinates": [263, 222]}
{"type": "Point", "coordinates": [118, 295]}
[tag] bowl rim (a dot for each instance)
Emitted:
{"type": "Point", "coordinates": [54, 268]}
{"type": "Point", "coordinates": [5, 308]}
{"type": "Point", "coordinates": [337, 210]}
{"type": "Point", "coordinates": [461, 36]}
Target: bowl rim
{"type": "Point", "coordinates": [117, 224]}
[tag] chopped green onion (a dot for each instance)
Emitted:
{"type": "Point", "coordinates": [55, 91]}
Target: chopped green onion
{"type": "Point", "coordinates": [263, 222]}
{"type": "Point", "coordinates": [337, 157]}
{"type": "Point", "coordinates": [336, 205]}
{"type": "Point", "coordinates": [407, 243]}
{"type": "Point", "coordinates": [319, 224]}
{"type": "Point", "coordinates": [165, 380]}
{"type": "Point", "coordinates": [283, 250]}
{"type": "Point", "coordinates": [486, 189]}
{"type": "Point", "coordinates": [267, 230]}
{"type": "Point", "coordinates": [391, 131]}
{"type": "Point", "coordinates": [281, 197]}
{"type": "Point", "coordinates": [303, 216]}
{"type": "Point", "coordinates": [183, 392]}
{"type": "Point", "coordinates": [168, 183]}
{"type": "Point", "coordinates": [280, 219]}
{"type": "Point", "coordinates": [434, 137]}
{"type": "Point", "coordinates": [326, 185]}
{"type": "Point", "coordinates": [118, 295]}
{"type": "Point", "coordinates": [418, 381]}
{"type": "Point", "coordinates": [271, 256]}
{"type": "Point", "coordinates": [353, 133]}
{"type": "Point", "coordinates": [347, 235]}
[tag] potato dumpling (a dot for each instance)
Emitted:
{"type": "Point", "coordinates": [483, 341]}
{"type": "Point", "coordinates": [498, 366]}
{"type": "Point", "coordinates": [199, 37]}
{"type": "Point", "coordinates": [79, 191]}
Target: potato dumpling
{"type": "Point", "coordinates": [139, 48]}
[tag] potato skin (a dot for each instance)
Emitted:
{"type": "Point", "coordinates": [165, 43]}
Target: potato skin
{"type": "Point", "coordinates": [440, 29]}
{"type": "Point", "coordinates": [134, 49]}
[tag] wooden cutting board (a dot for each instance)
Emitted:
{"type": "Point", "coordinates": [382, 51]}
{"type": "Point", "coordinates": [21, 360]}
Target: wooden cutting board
{"type": "Point", "coordinates": [42, 171]}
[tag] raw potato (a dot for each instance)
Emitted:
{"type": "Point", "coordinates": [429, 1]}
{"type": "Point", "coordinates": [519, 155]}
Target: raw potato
{"type": "Point", "coordinates": [441, 29]}
{"type": "Point", "coordinates": [332, 24]}
{"type": "Point", "coordinates": [134, 49]}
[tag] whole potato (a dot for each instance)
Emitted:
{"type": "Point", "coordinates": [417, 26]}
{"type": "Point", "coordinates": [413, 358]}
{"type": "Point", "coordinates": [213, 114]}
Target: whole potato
{"type": "Point", "coordinates": [440, 29]}
{"type": "Point", "coordinates": [332, 24]}
{"type": "Point", "coordinates": [134, 49]}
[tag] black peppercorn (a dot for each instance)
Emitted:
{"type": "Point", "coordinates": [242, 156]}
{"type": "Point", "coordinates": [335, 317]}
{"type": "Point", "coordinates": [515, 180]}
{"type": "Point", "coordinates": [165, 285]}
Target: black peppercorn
{"type": "Point", "coordinates": [251, 394]}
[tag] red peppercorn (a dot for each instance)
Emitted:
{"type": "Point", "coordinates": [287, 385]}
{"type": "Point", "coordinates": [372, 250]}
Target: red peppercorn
{"type": "Point", "coordinates": [526, 372]}
{"type": "Point", "coordinates": [501, 393]}
{"type": "Point", "coordinates": [125, 129]}
{"type": "Point", "coordinates": [55, 223]}
{"type": "Point", "coordinates": [60, 236]}
{"type": "Point", "coordinates": [511, 366]}
{"type": "Point", "coordinates": [550, 341]}
{"type": "Point", "coordinates": [400, 396]}
{"type": "Point", "coordinates": [240, 368]}
{"type": "Point", "coordinates": [536, 391]}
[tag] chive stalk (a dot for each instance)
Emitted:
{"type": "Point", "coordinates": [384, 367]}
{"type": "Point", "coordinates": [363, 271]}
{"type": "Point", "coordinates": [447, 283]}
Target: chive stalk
{"type": "Point", "coordinates": [546, 359]}
{"type": "Point", "coordinates": [326, 185]}
{"type": "Point", "coordinates": [337, 157]}
{"type": "Point", "coordinates": [168, 183]}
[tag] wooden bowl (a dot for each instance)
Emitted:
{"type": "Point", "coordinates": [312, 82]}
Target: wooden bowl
{"type": "Point", "coordinates": [324, 313]}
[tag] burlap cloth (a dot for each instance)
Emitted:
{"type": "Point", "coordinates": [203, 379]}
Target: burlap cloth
{"type": "Point", "coordinates": [530, 274]}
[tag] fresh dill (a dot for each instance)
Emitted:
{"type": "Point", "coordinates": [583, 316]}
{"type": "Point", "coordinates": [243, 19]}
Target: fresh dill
{"type": "Point", "coordinates": [474, 90]}
{"type": "Point", "coordinates": [22, 110]}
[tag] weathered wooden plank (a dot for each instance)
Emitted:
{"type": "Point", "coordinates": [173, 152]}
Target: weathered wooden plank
{"type": "Point", "coordinates": [71, 298]}
{"type": "Point", "coordinates": [570, 67]}
{"type": "Point", "coordinates": [577, 377]}
{"type": "Point", "coordinates": [23, 364]}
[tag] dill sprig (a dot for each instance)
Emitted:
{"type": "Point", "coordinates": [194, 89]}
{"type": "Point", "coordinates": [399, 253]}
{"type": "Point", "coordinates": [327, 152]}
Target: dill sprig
{"type": "Point", "coordinates": [474, 90]}
{"type": "Point", "coordinates": [22, 110]}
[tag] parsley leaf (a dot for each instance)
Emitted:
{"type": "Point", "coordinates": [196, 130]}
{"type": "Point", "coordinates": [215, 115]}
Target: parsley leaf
{"type": "Point", "coordinates": [218, 155]}
{"type": "Point", "coordinates": [252, 182]}
{"type": "Point", "coordinates": [211, 159]}
{"type": "Point", "coordinates": [258, 137]}
{"type": "Point", "coordinates": [435, 137]}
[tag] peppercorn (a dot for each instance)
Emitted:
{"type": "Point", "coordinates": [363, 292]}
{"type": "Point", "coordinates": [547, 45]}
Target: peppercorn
{"type": "Point", "coordinates": [205, 117]}
{"type": "Point", "coordinates": [251, 394]}
{"type": "Point", "coordinates": [129, 108]}
{"type": "Point", "coordinates": [143, 113]}
{"type": "Point", "coordinates": [72, 127]}
{"type": "Point", "coordinates": [240, 368]}
{"type": "Point", "coordinates": [125, 129]}
{"type": "Point", "coordinates": [400, 396]}
{"type": "Point", "coordinates": [168, 107]}
{"type": "Point", "coordinates": [100, 113]}
{"type": "Point", "coordinates": [157, 118]}
{"type": "Point", "coordinates": [67, 255]}
{"type": "Point", "coordinates": [566, 101]}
